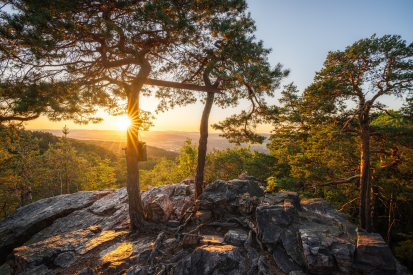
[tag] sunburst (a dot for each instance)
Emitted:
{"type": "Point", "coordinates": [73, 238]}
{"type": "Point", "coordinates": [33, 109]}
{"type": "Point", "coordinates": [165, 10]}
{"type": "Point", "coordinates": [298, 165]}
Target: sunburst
{"type": "Point", "coordinates": [123, 122]}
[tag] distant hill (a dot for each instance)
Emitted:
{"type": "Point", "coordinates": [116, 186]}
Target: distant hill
{"type": "Point", "coordinates": [103, 149]}
{"type": "Point", "coordinates": [116, 146]}
{"type": "Point", "coordinates": [168, 140]}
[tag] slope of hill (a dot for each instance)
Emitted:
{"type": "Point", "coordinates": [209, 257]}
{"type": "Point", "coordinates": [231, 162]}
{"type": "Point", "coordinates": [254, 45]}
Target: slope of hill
{"type": "Point", "coordinates": [168, 140]}
{"type": "Point", "coordinates": [117, 146]}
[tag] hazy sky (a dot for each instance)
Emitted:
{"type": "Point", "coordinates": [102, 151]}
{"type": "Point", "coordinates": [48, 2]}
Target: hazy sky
{"type": "Point", "coordinates": [301, 33]}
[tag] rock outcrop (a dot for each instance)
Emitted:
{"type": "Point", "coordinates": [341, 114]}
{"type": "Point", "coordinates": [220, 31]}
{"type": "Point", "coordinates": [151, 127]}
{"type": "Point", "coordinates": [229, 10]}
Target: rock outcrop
{"type": "Point", "coordinates": [233, 228]}
{"type": "Point", "coordinates": [21, 225]}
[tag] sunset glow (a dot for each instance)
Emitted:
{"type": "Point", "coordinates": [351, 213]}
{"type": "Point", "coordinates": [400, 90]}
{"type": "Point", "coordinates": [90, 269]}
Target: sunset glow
{"type": "Point", "coordinates": [123, 122]}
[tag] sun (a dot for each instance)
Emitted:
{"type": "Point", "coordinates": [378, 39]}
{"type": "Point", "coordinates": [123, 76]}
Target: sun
{"type": "Point", "coordinates": [123, 122]}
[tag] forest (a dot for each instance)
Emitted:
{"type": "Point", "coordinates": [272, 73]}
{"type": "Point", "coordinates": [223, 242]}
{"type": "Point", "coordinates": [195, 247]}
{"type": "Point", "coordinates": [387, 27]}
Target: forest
{"type": "Point", "coordinates": [335, 139]}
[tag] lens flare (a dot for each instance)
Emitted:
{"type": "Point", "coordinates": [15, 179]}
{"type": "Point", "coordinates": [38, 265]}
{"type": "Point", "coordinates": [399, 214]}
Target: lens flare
{"type": "Point", "coordinates": [123, 122]}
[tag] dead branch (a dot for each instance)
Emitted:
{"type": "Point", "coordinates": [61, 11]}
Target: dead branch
{"type": "Point", "coordinates": [337, 182]}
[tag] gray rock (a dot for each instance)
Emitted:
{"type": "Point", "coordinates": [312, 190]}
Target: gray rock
{"type": "Point", "coordinates": [81, 241]}
{"type": "Point", "coordinates": [216, 195]}
{"type": "Point", "coordinates": [106, 205]}
{"type": "Point", "coordinates": [109, 219]}
{"type": "Point", "coordinates": [181, 189]}
{"type": "Point", "coordinates": [185, 267]}
{"type": "Point", "coordinates": [159, 209]}
{"type": "Point", "coordinates": [319, 258]}
{"type": "Point", "coordinates": [291, 244]}
{"type": "Point", "coordinates": [247, 177]}
{"type": "Point", "coordinates": [253, 255]}
{"type": "Point", "coordinates": [21, 225]}
{"type": "Point", "coordinates": [221, 195]}
{"type": "Point", "coordinates": [247, 186]}
{"type": "Point", "coordinates": [5, 269]}
{"type": "Point", "coordinates": [86, 271]}
{"type": "Point", "coordinates": [247, 204]}
{"type": "Point", "coordinates": [272, 221]}
{"type": "Point", "coordinates": [280, 197]}
{"type": "Point", "coordinates": [188, 181]}
{"type": "Point", "coordinates": [263, 266]}
{"type": "Point", "coordinates": [142, 248]}
{"type": "Point", "coordinates": [372, 253]}
{"type": "Point", "coordinates": [323, 208]}
{"type": "Point", "coordinates": [38, 270]}
{"type": "Point", "coordinates": [213, 259]}
{"type": "Point", "coordinates": [151, 195]}
{"type": "Point", "coordinates": [190, 240]}
{"type": "Point", "coordinates": [203, 215]}
{"type": "Point", "coordinates": [136, 270]}
{"type": "Point", "coordinates": [65, 259]}
{"type": "Point", "coordinates": [344, 254]}
{"type": "Point", "coordinates": [177, 257]}
{"type": "Point", "coordinates": [297, 273]}
{"type": "Point", "coordinates": [236, 237]}
{"type": "Point", "coordinates": [173, 223]}
{"type": "Point", "coordinates": [284, 262]}
{"type": "Point", "coordinates": [350, 229]}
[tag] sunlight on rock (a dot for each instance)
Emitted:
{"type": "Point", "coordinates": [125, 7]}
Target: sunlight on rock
{"type": "Point", "coordinates": [104, 237]}
{"type": "Point", "coordinates": [116, 256]}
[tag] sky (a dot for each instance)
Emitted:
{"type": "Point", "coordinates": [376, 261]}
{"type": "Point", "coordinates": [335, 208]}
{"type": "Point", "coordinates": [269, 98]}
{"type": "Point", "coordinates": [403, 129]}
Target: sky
{"type": "Point", "coordinates": [300, 33]}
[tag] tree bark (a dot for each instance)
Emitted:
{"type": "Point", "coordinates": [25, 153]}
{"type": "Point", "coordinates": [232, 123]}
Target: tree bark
{"type": "Point", "coordinates": [203, 136]}
{"type": "Point", "coordinates": [365, 207]}
{"type": "Point", "coordinates": [391, 220]}
{"type": "Point", "coordinates": [202, 146]}
{"type": "Point", "coordinates": [375, 209]}
{"type": "Point", "coordinates": [136, 213]}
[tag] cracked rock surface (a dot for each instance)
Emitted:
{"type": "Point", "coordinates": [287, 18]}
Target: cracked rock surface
{"type": "Point", "coordinates": [234, 228]}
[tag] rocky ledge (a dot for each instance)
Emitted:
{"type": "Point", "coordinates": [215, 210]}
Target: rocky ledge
{"type": "Point", "coordinates": [233, 228]}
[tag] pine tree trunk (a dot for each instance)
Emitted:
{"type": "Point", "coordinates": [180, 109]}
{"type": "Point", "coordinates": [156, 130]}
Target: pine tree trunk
{"type": "Point", "coordinates": [136, 213]}
{"type": "Point", "coordinates": [365, 188]}
{"type": "Point", "coordinates": [391, 220]}
{"type": "Point", "coordinates": [375, 209]}
{"type": "Point", "coordinates": [202, 146]}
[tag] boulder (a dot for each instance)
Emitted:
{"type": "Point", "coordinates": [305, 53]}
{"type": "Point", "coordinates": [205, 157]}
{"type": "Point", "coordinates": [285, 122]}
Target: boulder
{"type": "Point", "coordinates": [323, 208]}
{"type": "Point", "coordinates": [141, 249]}
{"type": "Point", "coordinates": [284, 262]}
{"type": "Point", "coordinates": [292, 247]}
{"type": "Point", "coordinates": [318, 256]}
{"type": "Point", "coordinates": [181, 190]}
{"type": "Point", "coordinates": [151, 195]}
{"type": "Point", "coordinates": [272, 221]}
{"type": "Point", "coordinates": [116, 257]}
{"type": "Point", "coordinates": [159, 209]}
{"type": "Point", "coordinates": [42, 253]}
{"type": "Point", "coordinates": [214, 259]}
{"type": "Point", "coordinates": [22, 224]}
{"type": "Point", "coordinates": [86, 271]}
{"type": "Point", "coordinates": [247, 186]}
{"type": "Point", "coordinates": [65, 259]}
{"type": "Point", "coordinates": [179, 256]}
{"type": "Point", "coordinates": [38, 270]}
{"type": "Point", "coordinates": [247, 204]}
{"type": "Point", "coordinates": [221, 195]}
{"type": "Point", "coordinates": [236, 237]}
{"type": "Point", "coordinates": [343, 252]}
{"type": "Point", "coordinates": [190, 240]}
{"type": "Point", "coordinates": [280, 197]}
{"type": "Point", "coordinates": [5, 269]}
{"type": "Point", "coordinates": [188, 181]}
{"type": "Point", "coordinates": [203, 215]}
{"type": "Point", "coordinates": [136, 270]}
{"type": "Point", "coordinates": [372, 254]}
{"type": "Point", "coordinates": [249, 177]}
{"type": "Point", "coordinates": [216, 195]}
